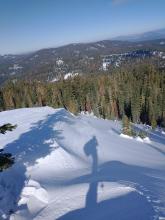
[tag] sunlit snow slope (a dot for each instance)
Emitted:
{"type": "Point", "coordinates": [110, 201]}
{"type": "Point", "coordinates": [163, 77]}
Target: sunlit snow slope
{"type": "Point", "coordinates": [79, 168]}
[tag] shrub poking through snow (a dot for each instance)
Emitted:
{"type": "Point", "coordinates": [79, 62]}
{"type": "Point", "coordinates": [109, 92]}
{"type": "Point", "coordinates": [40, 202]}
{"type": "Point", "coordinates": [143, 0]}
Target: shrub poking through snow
{"type": "Point", "coordinates": [127, 128]}
{"type": "Point", "coordinates": [7, 127]}
{"type": "Point", "coordinates": [6, 159]}
{"type": "Point", "coordinates": [142, 134]}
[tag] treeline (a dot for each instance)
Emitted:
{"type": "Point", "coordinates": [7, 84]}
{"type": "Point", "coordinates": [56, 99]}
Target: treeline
{"type": "Point", "coordinates": [137, 92]}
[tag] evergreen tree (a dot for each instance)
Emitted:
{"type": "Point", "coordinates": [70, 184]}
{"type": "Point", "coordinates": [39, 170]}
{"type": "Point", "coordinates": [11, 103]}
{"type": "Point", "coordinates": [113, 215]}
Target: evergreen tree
{"type": "Point", "coordinates": [137, 91]}
{"type": "Point", "coordinates": [6, 159]}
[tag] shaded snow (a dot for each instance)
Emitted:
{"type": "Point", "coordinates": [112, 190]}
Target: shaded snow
{"type": "Point", "coordinates": [70, 167]}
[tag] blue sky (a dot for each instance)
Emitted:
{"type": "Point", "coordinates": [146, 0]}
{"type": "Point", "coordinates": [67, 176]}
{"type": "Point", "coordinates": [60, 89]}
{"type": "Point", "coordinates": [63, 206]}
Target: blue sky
{"type": "Point", "coordinates": [27, 25]}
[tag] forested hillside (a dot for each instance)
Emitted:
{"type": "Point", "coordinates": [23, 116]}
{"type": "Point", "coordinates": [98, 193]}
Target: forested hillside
{"type": "Point", "coordinates": [138, 92]}
{"type": "Point", "coordinates": [82, 58]}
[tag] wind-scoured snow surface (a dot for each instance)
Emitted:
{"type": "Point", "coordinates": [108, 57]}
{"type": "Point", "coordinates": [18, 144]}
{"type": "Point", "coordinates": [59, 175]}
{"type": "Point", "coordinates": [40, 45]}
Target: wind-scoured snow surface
{"type": "Point", "coordinates": [79, 168]}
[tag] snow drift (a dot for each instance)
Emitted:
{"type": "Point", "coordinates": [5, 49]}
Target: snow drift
{"type": "Point", "coordinates": [79, 167]}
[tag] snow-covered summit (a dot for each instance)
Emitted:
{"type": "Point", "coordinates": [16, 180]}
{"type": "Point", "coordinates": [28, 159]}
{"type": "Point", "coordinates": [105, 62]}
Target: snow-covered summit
{"type": "Point", "coordinates": [79, 167]}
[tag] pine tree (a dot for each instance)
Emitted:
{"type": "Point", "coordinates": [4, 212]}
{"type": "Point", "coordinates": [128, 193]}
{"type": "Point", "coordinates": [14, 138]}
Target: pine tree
{"type": "Point", "coordinates": [126, 127]}
{"type": "Point", "coordinates": [137, 91]}
{"type": "Point", "coordinates": [6, 159]}
{"type": "Point", "coordinates": [153, 123]}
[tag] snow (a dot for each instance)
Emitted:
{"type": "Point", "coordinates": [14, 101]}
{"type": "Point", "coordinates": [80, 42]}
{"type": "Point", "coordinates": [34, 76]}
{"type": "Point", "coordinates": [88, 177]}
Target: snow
{"type": "Point", "coordinates": [59, 62]}
{"type": "Point", "coordinates": [90, 114]}
{"type": "Point", "coordinates": [147, 140]}
{"type": "Point", "coordinates": [54, 80]}
{"type": "Point", "coordinates": [101, 45]}
{"type": "Point", "coordinates": [15, 67]}
{"type": "Point", "coordinates": [139, 139]}
{"type": "Point", "coordinates": [144, 140]}
{"type": "Point", "coordinates": [79, 167]}
{"type": "Point", "coordinates": [70, 75]}
{"type": "Point", "coordinates": [126, 136]}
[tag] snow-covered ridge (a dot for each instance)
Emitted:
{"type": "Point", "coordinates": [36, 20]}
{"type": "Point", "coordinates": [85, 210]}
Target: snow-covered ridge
{"type": "Point", "coordinates": [78, 167]}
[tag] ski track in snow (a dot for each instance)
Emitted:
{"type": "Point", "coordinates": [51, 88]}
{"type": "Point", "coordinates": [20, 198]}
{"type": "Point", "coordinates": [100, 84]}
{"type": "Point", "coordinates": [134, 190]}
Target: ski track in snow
{"type": "Point", "coordinates": [77, 168]}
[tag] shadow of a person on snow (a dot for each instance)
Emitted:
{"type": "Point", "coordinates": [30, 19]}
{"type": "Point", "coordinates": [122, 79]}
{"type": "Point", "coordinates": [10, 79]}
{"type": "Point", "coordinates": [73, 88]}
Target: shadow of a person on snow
{"type": "Point", "coordinates": [27, 149]}
{"type": "Point", "coordinates": [125, 207]}
{"type": "Point", "coordinates": [90, 149]}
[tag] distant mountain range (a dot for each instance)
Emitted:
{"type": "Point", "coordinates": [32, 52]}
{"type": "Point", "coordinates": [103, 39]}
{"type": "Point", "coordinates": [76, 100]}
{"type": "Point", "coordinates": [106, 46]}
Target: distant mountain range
{"type": "Point", "coordinates": [151, 35]}
{"type": "Point", "coordinates": [83, 58]}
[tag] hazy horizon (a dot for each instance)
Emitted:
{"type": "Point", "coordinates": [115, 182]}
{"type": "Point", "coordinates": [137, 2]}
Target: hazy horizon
{"type": "Point", "coordinates": [27, 26]}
